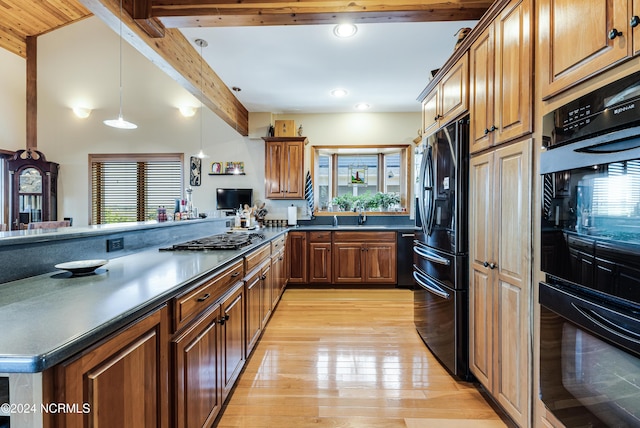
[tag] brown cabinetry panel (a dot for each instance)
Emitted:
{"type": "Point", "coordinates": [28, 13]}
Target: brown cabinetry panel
{"type": "Point", "coordinates": [298, 257]}
{"type": "Point", "coordinates": [448, 99]}
{"type": "Point", "coordinates": [320, 262]}
{"type": "Point", "coordinates": [380, 262]}
{"type": "Point", "coordinates": [575, 41]}
{"type": "Point", "coordinates": [369, 258]}
{"type": "Point", "coordinates": [196, 356]}
{"type": "Point", "coordinates": [232, 335]}
{"type": "Point", "coordinates": [253, 290]}
{"type": "Point", "coordinates": [188, 305]}
{"type": "Point", "coordinates": [279, 280]}
{"type": "Point", "coordinates": [501, 84]}
{"type": "Point", "coordinates": [500, 274]}
{"type": "Point", "coordinates": [348, 262]}
{"type": "Point", "coordinates": [284, 167]}
{"type": "Point", "coordinates": [123, 380]}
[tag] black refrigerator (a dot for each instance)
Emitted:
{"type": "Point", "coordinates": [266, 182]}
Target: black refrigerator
{"type": "Point", "coordinates": [440, 252]}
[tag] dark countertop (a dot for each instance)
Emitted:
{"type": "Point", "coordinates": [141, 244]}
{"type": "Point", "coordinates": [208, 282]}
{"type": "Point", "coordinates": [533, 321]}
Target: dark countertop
{"type": "Point", "coordinates": [48, 318]}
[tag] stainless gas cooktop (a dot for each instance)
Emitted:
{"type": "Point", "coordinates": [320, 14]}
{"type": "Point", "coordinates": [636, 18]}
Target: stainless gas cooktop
{"type": "Point", "coordinates": [223, 241]}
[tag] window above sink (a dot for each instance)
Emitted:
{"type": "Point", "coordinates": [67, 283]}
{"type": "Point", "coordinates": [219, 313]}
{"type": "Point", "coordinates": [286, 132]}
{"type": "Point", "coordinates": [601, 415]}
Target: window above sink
{"type": "Point", "coordinates": [374, 178]}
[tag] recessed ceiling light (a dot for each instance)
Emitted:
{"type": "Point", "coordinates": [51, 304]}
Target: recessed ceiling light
{"type": "Point", "coordinates": [339, 92]}
{"type": "Point", "coordinates": [362, 106]}
{"type": "Point", "coordinates": [345, 30]}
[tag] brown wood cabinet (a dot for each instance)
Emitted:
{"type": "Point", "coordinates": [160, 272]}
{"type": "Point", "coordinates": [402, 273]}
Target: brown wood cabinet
{"type": "Point", "coordinates": [232, 330]}
{"type": "Point", "coordinates": [634, 22]}
{"type": "Point", "coordinates": [320, 258]}
{"type": "Point", "coordinates": [253, 290]}
{"type": "Point", "coordinates": [284, 167]}
{"type": "Point", "coordinates": [278, 276]}
{"type": "Point", "coordinates": [501, 67]}
{"type": "Point", "coordinates": [448, 99]}
{"type": "Point", "coordinates": [364, 257]}
{"type": "Point", "coordinates": [298, 257]}
{"type": "Point", "coordinates": [197, 364]}
{"type": "Point", "coordinates": [123, 380]}
{"type": "Point", "coordinates": [265, 300]}
{"type": "Point", "coordinates": [258, 295]}
{"type": "Point", "coordinates": [579, 39]}
{"type": "Point", "coordinates": [500, 275]}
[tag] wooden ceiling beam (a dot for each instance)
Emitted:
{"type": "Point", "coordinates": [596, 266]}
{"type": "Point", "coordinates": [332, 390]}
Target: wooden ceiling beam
{"type": "Point", "coordinates": [207, 13]}
{"type": "Point", "coordinates": [174, 55]}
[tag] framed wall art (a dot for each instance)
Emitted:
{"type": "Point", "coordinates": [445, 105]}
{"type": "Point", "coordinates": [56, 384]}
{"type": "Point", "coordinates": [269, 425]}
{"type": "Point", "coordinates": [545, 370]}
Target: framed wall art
{"type": "Point", "coordinates": [195, 171]}
{"type": "Point", "coordinates": [216, 168]}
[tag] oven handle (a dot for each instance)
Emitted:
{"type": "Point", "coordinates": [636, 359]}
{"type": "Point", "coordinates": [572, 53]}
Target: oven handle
{"type": "Point", "coordinates": [607, 324]}
{"type": "Point", "coordinates": [617, 324]}
{"type": "Point", "coordinates": [429, 285]}
{"type": "Point", "coordinates": [431, 257]}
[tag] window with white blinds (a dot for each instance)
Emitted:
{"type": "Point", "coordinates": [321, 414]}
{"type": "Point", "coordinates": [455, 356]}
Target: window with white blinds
{"type": "Point", "coordinates": [128, 188]}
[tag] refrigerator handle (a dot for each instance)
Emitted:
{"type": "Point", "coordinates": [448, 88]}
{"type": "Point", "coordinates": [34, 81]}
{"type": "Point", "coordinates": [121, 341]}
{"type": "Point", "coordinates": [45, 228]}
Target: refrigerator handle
{"type": "Point", "coordinates": [428, 284]}
{"type": "Point", "coordinates": [432, 193]}
{"type": "Point", "coordinates": [431, 257]}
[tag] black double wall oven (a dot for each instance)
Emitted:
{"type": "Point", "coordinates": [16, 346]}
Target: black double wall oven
{"type": "Point", "coordinates": [440, 268]}
{"type": "Point", "coordinates": [590, 252]}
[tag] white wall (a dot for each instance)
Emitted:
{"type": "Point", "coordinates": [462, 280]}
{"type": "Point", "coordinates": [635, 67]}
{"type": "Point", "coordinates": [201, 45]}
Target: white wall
{"type": "Point", "coordinates": [78, 65]}
{"type": "Point", "coordinates": [13, 119]}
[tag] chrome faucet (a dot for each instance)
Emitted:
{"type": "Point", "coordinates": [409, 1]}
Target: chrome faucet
{"type": "Point", "coordinates": [362, 218]}
{"type": "Point", "coordinates": [335, 221]}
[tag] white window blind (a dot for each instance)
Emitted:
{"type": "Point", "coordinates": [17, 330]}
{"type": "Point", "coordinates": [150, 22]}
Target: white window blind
{"type": "Point", "coordinates": [127, 188]}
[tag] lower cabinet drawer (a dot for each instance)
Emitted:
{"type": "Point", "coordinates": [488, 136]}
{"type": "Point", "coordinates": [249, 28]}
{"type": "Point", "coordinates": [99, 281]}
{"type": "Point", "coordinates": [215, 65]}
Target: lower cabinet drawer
{"type": "Point", "coordinates": [256, 257]}
{"type": "Point", "coordinates": [189, 305]}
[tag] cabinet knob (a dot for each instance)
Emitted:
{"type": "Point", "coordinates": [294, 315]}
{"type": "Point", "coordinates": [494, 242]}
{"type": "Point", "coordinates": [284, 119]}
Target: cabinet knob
{"type": "Point", "coordinates": [486, 131]}
{"type": "Point", "coordinates": [492, 265]}
{"type": "Point", "coordinates": [635, 20]}
{"type": "Point", "coordinates": [493, 128]}
{"type": "Point", "coordinates": [263, 277]}
{"type": "Point", "coordinates": [223, 319]}
{"type": "Point", "coordinates": [614, 33]}
{"type": "Point", "coordinates": [485, 264]}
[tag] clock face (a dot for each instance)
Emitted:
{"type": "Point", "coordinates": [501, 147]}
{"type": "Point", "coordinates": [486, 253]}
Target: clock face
{"type": "Point", "coordinates": [195, 172]}
{"type": "Point", "coordinates": [30, 181]}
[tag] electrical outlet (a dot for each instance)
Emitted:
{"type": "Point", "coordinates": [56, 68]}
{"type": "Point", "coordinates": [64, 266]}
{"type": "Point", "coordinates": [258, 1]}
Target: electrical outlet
{"type": "Point", "coordinates": [116, 244]}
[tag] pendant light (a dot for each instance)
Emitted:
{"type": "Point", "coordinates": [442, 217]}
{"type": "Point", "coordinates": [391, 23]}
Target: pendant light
{"type": "Point", "coordinates": [120, 122]}
{"type": "Point", "coordinates": [203, 44]}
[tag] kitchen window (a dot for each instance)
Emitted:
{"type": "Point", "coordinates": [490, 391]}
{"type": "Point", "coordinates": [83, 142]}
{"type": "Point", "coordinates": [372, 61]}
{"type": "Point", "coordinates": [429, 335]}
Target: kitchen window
{"type": "Point", "coordinates": [358, 171]}
{"type": "Point", "coordinates": [127, 188]}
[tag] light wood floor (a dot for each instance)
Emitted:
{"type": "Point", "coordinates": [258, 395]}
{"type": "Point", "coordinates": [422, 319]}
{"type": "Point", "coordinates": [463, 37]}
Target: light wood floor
{"type": "Point", "coordinates": [350, 358]}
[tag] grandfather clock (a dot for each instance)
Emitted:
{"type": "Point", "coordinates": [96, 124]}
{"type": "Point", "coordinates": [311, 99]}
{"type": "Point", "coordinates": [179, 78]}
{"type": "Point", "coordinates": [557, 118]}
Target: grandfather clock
{"type": "Point", "coordinates": [34, 190]}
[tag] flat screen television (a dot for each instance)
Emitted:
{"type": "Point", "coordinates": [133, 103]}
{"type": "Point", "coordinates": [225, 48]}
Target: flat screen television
{"type": "Point", "coordinates": [231, 199]}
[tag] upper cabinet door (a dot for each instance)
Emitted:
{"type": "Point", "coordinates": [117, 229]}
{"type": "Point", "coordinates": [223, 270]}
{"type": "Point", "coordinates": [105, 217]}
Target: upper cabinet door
{"type": "Point", "coordinates": [513, 99]}
{"type": "Point", "coordinates": [273, 170]}
{"type": "Point", "coordinates": [294, 183]}
{"type": "Point", "coordinates": [579, 39]}
{"type": "Point", "coordinates": [453, 91]}
{"type": "Point", "coordinates": [501, 84]}
{"type": "Point", "coordinates": [481, 83]}
{"type": "Point", "coordinates": [430, 117]}
{"type": "Point", "coordinates": [634, 21]}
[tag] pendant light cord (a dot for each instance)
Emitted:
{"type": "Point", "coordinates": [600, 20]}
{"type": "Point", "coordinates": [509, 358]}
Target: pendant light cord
{"type": "Point", "coordinates": [201, 96]}
{"type": "Point", "coordinates": [120, 59]}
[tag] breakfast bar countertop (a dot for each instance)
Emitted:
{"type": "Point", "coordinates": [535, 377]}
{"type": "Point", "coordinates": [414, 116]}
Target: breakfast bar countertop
{"type": "Point", "coordinates": [48, 318]}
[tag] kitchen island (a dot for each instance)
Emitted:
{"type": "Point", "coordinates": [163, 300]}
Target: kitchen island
{"type": "Point", "coordinates": [55, 317]}
{"type": "Point", "coordinates": [175, 312]}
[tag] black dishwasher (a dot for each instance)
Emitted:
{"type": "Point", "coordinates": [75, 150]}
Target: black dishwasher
{"type": "Point", "coordinates": [405, 259]}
